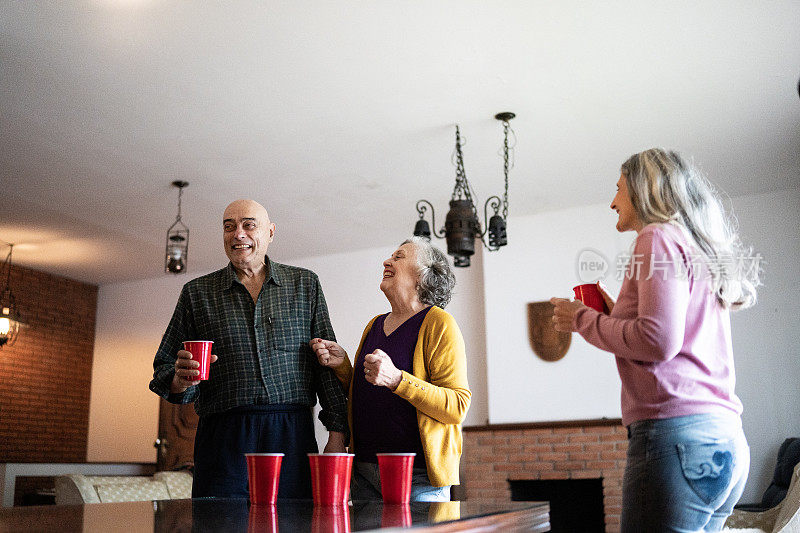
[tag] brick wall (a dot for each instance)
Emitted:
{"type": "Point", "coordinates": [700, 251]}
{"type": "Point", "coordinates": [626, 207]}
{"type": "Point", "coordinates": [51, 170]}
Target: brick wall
{"type": "Point", "coordinates": [45, 376]}
{"type": "Point", "coordinates": [592, 449]}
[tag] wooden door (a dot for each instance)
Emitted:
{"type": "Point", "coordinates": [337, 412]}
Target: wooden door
{"type": "Point", "coordinates": [177, 425]}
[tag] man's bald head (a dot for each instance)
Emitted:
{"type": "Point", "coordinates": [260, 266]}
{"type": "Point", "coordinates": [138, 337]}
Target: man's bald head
{"type": "Point", "coordinates": [247, 232]}
{"type": "Point", "coordinates": [249, 206]}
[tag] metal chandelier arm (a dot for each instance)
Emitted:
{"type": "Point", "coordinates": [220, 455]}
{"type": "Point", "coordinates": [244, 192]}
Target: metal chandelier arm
{"type": "Point", "coordinates": [440, 234]}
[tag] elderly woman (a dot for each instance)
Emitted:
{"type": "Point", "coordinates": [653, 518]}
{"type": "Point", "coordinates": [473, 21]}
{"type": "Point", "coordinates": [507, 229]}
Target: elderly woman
{"type": "Point", "coordinates": [408, 386]}
{"type": "Point", "coordinates": [670, 330]}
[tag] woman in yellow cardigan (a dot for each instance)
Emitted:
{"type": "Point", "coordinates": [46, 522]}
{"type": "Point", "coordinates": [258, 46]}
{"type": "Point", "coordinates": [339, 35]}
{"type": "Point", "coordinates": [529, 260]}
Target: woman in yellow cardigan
{"type": "Point", "coordinates": [408, 389]}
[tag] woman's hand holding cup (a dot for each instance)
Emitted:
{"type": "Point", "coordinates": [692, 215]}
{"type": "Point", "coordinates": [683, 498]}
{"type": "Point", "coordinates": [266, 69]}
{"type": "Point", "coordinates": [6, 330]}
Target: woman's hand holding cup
{"type": "Point", "coordinates": [563, 313]}
{"type": "Point", "coordinates": [585, 295]}
{"type": "Point", "coordinates": [380, 371]}
{"type": "Point", "coordinates": [328, 353]}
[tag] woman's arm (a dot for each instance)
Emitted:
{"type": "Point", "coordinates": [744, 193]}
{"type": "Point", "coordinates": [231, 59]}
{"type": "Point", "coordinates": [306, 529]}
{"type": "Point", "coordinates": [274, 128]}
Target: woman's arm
{"type": "Point", "coordinates": [446, 396]}
{"type": "Point", "coordinates": [661, 284]}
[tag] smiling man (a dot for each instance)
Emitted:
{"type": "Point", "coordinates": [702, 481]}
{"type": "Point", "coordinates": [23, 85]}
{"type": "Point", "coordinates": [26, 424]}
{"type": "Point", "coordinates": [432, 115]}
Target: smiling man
{"type": "Point", "coordinates": [264, 380]}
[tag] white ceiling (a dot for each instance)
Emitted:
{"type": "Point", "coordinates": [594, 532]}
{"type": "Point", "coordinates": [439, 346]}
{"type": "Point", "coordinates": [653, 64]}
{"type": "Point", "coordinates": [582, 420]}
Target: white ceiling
{"type": "Point", "coordinates": [337, 116]}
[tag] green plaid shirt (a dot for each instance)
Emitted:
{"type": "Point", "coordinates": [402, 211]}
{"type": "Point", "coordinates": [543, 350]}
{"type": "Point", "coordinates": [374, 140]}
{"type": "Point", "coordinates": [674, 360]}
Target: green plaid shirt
{"type": "Point", "coordinates": [263, 351]}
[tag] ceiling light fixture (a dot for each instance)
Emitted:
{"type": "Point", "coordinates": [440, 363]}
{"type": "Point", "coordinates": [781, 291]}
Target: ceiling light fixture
{"type": "Point", "coordinates": [461, 225]}
{"type": "Point", "coordinates": [9, 314]}
{"type": "Point", "coordinates": [177, 239]}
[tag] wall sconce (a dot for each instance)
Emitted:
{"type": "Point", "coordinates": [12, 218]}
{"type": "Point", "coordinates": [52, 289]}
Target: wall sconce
{"type": "Point", "coordinates": [9, 314]}
{"type": "Point", "coordinates": [177, 239]}
{"type": "Point", "coordinates": [461, 225]}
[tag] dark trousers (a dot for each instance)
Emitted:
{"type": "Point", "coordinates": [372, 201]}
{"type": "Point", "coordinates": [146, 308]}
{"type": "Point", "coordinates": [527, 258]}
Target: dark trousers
{"type": "Point", "coordinates": [222, 439]}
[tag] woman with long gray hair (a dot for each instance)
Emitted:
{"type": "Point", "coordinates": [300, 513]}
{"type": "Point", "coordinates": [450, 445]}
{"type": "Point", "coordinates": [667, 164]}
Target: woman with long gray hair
{"type": "Point", "coordinates": [408, 389]}
{"type": "Point", "coordinates": [687, 459]}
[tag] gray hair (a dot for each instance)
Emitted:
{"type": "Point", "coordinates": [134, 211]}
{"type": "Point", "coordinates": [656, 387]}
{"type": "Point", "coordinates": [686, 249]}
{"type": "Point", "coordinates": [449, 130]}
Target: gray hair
{"type": "Point", "coordinates": [664, 187]}
{"type": "Point", "coordinates": [436, 279]}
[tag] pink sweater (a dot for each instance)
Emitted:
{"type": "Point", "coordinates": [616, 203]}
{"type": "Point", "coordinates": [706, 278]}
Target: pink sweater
{"type": "Point", "coordinates": [670, 336]}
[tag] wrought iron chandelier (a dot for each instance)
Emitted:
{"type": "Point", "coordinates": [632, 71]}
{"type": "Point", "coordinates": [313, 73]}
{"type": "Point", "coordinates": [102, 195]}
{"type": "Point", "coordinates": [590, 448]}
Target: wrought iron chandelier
{"type": "Point", "coordinates": [177, 239]}
{"type": "Point", "coordinates": [9, 314]}
{"type": "Point", "coordinates": [461, 225]}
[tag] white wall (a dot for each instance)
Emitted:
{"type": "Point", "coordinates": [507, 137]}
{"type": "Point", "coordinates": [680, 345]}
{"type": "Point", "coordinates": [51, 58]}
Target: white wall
{"type": "Point", "coordinates": [539, 262]}
{"type": "Point", "coordinates": [123, 413]}
{"type": "Point", "coordinates": [132, 317]}
{"type": "Point", "coordinates": [766, 338]}
{"type": "Point", "coordinates": [510, 384]}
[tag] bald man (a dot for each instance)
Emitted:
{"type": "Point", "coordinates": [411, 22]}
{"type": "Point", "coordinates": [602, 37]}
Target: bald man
{"type": "Point", "coordinates": [264, 380]}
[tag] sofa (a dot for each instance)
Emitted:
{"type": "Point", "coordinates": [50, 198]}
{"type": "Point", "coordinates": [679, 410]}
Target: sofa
{"type": "Point", "coordinates": [79, 489]}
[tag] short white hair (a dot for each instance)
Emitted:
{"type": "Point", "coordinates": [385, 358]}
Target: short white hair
{"type": "Point", "coordinates": [436, 279]}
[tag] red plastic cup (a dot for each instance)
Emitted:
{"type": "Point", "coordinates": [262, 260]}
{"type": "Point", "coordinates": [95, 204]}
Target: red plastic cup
{"type": "Point", "coordinates": [262, 519]}
{"type": "Point", "coordinates": [330, 519]}
{"type": "Point", "coordinates": [396, 515]}
{"type": "Point", "coordinates": [201, 352]}
{"type": "Point", "coordinates": [263, 475]}
{"type": "Point", "coordinates": [330, 477]}
{"type": "Point", "coordinates": [396, 470]}
{"type": "Point", "coordinates": [590, 295]}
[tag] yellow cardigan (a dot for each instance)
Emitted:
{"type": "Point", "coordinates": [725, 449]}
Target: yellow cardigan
{"type": "Point", "coordinates": [437, 388]}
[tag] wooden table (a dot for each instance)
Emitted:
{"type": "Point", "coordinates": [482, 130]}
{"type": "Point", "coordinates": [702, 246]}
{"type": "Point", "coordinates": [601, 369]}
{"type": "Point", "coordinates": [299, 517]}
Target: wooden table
{"type": "Point", "coordinates": [290, 516]}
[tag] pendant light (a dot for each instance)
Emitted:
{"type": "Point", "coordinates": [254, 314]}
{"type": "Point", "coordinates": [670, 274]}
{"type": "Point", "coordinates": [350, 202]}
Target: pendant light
{"type": "Point", "coordinates": [177, 239]}
{"type": "Point", "coordinates": [461, 225]}
{"type": "Point", "coordinates": [9, 314]}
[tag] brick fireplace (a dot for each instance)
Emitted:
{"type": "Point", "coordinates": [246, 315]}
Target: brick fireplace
{"type": "Point", "coordinates": [584, 449]}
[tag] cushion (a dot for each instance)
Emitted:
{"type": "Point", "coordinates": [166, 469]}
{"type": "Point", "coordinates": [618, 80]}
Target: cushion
{"type": "Point", "coordinates": [132, 492]}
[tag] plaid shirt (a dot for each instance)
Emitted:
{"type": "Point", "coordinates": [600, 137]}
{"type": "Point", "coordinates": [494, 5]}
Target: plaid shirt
{"type": "Point", "coordinates": [263, 351]}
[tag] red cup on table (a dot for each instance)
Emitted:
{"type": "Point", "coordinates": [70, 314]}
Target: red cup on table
{"type": "Point", "coordinates": [330, 477]}
{"type": "Point", "coordinates": [263, 475]}
{"type": "Point", "coordinates": [396, 470]}
{"type": "Point", "coordinates": [201, 352]}
{"type": "Point", "coordinates": [590, 295]}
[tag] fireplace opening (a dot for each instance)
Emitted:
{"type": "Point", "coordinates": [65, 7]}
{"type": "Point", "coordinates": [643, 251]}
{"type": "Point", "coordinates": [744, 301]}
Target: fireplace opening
{"type": "Point", "coordinates": [575, 504]}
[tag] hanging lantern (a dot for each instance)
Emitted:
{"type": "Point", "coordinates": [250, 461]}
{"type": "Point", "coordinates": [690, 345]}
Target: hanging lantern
{"type": "Point", "coordinates": [177, 239]}
{"type": "Point", "coordinates": [461, 225]}
{"type": "Point", "coordinates": [9, 314]}
{"type": "Point", "coordinates": [497, 232]}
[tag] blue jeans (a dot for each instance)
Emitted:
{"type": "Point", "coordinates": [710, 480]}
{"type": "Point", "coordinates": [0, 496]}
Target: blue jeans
{"type": "Point", "coordinates": [366, 485]}
{"type": "Point", "coordinates": [683, 474]}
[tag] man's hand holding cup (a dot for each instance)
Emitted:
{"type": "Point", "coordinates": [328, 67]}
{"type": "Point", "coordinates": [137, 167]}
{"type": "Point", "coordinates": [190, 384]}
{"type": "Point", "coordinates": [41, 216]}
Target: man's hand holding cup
{"type": "Point", "coordinates": [187, 372]}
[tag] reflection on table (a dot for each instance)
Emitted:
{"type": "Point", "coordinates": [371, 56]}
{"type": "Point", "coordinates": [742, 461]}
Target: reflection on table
{"type": "Point", "coordinates": [288, 516]}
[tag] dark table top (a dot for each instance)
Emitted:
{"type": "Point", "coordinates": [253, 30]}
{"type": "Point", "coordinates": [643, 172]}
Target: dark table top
{"type": "Point", "coordinates": [290, 516]}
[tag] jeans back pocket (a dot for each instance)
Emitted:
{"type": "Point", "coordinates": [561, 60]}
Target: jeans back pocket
{"type": "Point", "coordinates": [708, 468]}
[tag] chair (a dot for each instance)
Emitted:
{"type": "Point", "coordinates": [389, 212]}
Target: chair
{"type": "Point", "coordinates": [783, 518]}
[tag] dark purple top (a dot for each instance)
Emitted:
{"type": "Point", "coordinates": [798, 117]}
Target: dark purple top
{"type": "Point", "coordinates": [382, 421]}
